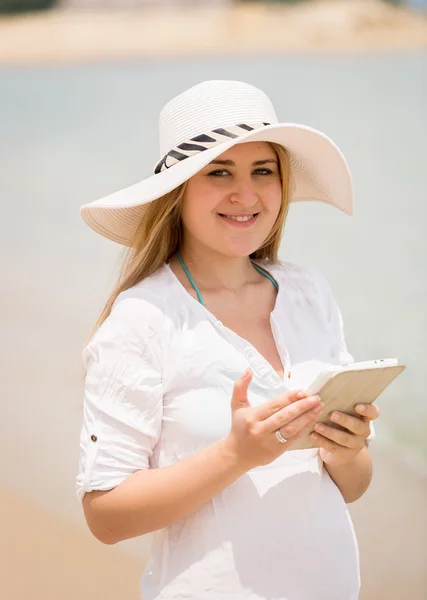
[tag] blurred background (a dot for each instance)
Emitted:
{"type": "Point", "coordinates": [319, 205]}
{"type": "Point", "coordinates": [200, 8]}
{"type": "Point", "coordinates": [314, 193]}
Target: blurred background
{"type": "Point", "coordinates": [82, 83]}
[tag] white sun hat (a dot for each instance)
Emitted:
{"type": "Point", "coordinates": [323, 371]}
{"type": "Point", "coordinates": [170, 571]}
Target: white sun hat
{"type": "Point", "coordinates": [197, 126]}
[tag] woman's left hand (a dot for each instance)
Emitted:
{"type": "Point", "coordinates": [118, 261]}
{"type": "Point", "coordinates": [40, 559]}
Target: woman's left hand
{"type": "Point", "coordinates": [340, 447]}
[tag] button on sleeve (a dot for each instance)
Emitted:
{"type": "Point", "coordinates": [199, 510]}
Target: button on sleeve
{"type": "Point", "coordinates": [122, 409]}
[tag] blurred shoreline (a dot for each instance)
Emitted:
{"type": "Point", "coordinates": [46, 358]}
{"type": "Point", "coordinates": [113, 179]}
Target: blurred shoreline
{"type": "Point", "coordinates": [66, 35]}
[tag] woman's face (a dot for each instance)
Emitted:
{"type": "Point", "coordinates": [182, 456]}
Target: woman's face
{"type": "Point", "coordinates": [245, 182]}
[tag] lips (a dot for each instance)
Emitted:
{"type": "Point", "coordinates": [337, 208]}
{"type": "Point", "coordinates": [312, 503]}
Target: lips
{"type": "Point", "coordinates": [239, 220]}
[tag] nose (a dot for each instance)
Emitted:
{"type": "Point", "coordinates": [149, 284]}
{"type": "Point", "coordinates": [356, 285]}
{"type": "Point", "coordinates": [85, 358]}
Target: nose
{"type": "Point", "coordinates": [244, 193]}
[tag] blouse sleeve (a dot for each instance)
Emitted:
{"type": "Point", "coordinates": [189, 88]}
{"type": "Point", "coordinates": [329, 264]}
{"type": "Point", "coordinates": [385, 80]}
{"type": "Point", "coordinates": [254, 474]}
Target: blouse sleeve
{"type": "Point", "coordinates": [122, 410]}
{"type": "Point", "coordinates": [340, 353]}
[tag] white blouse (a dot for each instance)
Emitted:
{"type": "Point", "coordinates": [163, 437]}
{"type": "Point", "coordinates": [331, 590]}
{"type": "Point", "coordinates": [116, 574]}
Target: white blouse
{"type": "Point", "coordinates": [160, 376]}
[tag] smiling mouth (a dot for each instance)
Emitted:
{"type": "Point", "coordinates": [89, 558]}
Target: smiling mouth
{"type": "Point", "coordinates": [239, 218]}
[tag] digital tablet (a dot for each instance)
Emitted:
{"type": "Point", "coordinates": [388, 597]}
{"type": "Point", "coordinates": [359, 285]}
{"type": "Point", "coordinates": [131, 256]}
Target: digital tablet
{"type": "Point", "coordinates": [343, 387]}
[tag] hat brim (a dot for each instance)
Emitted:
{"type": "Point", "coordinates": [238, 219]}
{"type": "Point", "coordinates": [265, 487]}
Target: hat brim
{"type": "Point", "coordinates": [319, 173]}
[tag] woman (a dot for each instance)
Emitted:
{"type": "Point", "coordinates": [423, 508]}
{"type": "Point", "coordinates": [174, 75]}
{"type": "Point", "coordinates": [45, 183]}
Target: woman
{"type": "Point", "coordinates": [190, 412]}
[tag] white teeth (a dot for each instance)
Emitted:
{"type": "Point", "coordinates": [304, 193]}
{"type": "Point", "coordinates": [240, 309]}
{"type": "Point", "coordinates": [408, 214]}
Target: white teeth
{"type": "Point", "coordinates": [240, 218]}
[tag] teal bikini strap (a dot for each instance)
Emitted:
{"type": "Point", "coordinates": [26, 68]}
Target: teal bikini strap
{"type": "Point", "coordinates": [193, 283]}
{"type": "Point", "coordinates": [265, 275]}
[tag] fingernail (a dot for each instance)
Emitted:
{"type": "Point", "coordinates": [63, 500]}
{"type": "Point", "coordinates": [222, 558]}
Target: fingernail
{"type": "Point", "coordinates": [301, 395]}
{"type": "Point", "coordinates": [361, 407]}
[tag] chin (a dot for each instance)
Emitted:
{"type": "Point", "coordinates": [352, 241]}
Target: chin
{"type": "Point", "coordinates": [239, 252]}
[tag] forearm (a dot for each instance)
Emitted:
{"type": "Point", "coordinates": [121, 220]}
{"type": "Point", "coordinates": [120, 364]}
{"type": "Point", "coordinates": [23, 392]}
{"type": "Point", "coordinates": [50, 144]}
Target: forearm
{"type": "Point", "coordinates": [353, 478]}
{"type": "Point", "coordinates": [155, 498]}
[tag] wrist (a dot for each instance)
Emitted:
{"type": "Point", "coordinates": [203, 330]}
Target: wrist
{"type": "Point", "coordinates": [229, 455]}
{"type": "Point", "coordinates": [353, 477]}
{"type": "Point", "coordinates": [330, 460]}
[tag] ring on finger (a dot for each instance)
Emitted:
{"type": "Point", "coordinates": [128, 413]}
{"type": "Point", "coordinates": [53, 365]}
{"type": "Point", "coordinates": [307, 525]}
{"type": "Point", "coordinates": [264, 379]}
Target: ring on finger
{"type": "Point", "coordinates": [280, 437]}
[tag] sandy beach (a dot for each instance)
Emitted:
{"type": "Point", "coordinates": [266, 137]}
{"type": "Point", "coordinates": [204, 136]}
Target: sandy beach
{"type": "Point", "coordinates": [46, 558]}
{"type": "Point", "coordinates": [324, 26]}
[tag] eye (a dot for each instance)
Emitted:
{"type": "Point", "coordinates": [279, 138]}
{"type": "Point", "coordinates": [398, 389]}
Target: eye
{"type": "Point", "coordinates": [218, 173]}
{"type": "Point", "coordinates": [263, 171]}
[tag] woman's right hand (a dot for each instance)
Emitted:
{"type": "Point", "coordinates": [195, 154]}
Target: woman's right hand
{"type": "Point", "coordinates": [252, 438]}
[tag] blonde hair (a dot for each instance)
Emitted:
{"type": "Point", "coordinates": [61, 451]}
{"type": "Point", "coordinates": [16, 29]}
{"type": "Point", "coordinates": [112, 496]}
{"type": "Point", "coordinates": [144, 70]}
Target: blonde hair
{"type": "Point", "coordinates": [159, 235]}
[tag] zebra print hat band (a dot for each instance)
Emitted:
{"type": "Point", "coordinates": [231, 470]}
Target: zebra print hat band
{"type": "Point", "coordinates": [203, 142]}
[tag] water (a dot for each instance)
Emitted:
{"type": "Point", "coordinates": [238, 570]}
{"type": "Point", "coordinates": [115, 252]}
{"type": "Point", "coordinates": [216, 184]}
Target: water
{"type": "Point", "coordinates": [70, 135]}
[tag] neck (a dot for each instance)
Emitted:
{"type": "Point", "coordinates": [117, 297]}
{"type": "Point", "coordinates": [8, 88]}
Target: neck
{"type": "Point", "coordinates": [215, 271]}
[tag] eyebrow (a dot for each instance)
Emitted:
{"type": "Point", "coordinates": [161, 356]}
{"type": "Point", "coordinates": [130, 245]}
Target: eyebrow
{"type": "Point", "coordinates": [230, 163]}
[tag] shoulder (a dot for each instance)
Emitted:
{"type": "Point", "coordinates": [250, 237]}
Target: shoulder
{"type": "Point", "coordinates": [298, 277]}
{"type": "Point", "coordinates": [139, 317]}
{"type": "Point", "coordinates": [145, 304]}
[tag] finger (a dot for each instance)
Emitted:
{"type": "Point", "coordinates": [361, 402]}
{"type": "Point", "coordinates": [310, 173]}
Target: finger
{"type": "Point", "coordinates": [270, 407]}
{"type": "Point", "coordinates": [353, 424]}
{"type": "Point", "coordinates": [343, 438]}
{"type": "Point", "coordinates": [322, 442]}
{"type": "Point", "coordinates": [301, 422]}
{"type": "Point", "coordinates": [240, 391]}
{"type": "Point", "coordinates": [368, 411]}
{"type": "Point", "coordinates": [287, 414]}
